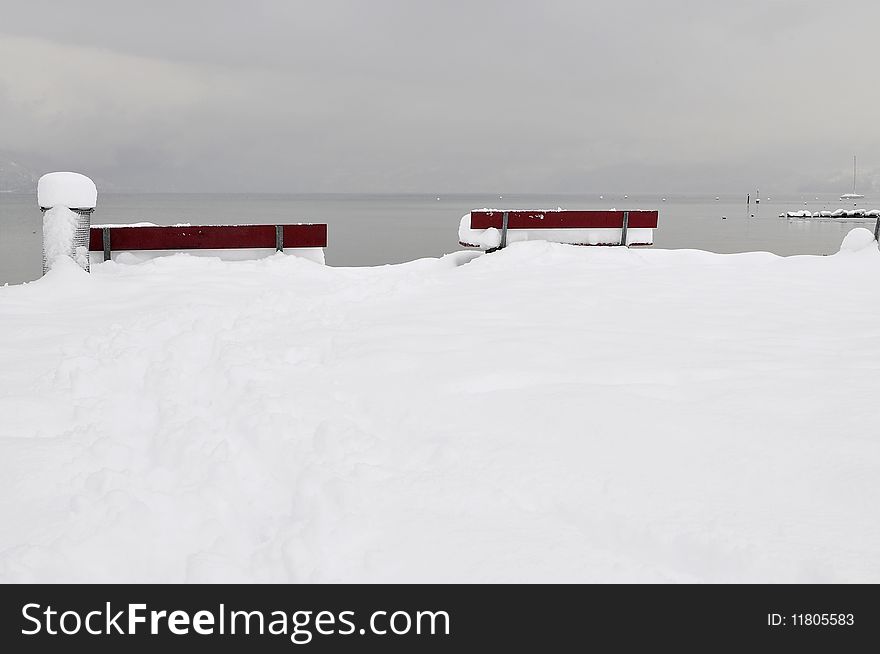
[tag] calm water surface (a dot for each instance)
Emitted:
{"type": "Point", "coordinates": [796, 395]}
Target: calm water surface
{"type": "Point", "coordinates": [366, 230]}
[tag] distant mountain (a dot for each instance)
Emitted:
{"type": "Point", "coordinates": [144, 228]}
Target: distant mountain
{"type": "Point", "coordinates": [19, 174]}
{"type": "Point", "coordinates": [16, 177]}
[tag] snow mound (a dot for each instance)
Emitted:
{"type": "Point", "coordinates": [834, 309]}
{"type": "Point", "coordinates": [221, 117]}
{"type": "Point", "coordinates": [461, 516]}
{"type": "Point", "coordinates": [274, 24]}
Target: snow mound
{"type": "Point", "coordinates": [481, 238]}
{"type": "Point", "coordinates": [65, 189]}
{"type": "Point", "coordinates": [546, 413]}
{"type": "Point", "coordinates": [857, 240]}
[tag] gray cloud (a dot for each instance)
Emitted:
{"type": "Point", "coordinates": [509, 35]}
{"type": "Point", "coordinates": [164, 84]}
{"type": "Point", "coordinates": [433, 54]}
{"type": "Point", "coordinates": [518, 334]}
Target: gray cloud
{"type": "Point", "coordinates": [389, 95]}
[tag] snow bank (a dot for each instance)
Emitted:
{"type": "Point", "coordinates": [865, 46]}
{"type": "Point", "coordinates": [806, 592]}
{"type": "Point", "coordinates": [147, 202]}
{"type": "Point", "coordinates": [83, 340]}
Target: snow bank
{"type": "Point", "coordinates": [70, 190]}
{"type": "Point", "coordinates": [237, 254]}
{"type": "Point", "coordinates": [545, 413]}
{"type": "Point", "coordinates": [859, 240]}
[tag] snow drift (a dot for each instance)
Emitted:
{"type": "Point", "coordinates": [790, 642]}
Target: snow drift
{"type": "Point", "coordinates": [545, 413]}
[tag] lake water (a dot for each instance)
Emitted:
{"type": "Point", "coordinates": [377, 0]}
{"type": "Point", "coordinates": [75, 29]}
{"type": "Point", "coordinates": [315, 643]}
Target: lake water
{"type": "Point", "coordinates": [366, 230]}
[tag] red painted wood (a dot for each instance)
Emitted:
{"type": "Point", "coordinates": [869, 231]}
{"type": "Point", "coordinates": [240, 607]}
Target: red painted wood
{"type": "Point", "coordinates": [563, 219]}
{"type": "Point", "coordinates": [207, 237]}
{"type": "Point", "coordinates": [96, 239]}
{"type": "Point", "coordinates": [305, 236]}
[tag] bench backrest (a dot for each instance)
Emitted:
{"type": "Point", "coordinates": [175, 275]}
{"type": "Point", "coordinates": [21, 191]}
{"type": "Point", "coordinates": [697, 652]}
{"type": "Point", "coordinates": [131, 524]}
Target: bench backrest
{"type": "Point", "coordinates": [564, 219]}
{"type": "Point", "coordinates": [207, 237]}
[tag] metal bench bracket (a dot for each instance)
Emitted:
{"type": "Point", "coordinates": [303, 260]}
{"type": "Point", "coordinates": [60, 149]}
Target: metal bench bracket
{"type": "Point", "coordinates": [105, 234]}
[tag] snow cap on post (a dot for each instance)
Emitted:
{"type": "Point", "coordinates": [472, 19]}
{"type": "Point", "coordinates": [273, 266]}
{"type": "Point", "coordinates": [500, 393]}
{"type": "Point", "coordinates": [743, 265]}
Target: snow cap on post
{"type": "Point", "coordinates": [70, 190]}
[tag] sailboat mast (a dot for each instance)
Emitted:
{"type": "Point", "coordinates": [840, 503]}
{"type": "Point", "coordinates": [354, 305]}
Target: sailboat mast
{"type": "Point", "coordinates": [854, 174]}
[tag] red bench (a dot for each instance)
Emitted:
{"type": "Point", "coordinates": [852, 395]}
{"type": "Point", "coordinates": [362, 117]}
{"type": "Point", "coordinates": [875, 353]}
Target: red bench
{"type": "Point", "coordinates": [614, 226]}
{"type": "Point", "coordinates": [206, 237]}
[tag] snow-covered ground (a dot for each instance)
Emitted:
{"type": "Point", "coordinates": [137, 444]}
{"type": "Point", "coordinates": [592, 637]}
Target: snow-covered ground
{"type": "Point", "coordinates": [544, 413]}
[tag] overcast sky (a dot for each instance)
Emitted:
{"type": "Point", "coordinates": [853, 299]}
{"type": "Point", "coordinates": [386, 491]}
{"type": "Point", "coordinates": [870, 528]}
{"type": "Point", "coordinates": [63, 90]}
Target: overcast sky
{"type": "Point", "coordinates": [444, 96]}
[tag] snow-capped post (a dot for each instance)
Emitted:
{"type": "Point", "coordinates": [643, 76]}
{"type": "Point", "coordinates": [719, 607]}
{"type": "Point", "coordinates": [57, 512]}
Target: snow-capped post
{"type": "Point", "coordinates": [67, 201]}
{"type": "Point", "coordinates": [877, 230]}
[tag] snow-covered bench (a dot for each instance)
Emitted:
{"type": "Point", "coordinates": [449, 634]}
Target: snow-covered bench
{"type": "Point", "coordinates": [490, 229]}
{"type": "Point", "coordinates": [229, 242]}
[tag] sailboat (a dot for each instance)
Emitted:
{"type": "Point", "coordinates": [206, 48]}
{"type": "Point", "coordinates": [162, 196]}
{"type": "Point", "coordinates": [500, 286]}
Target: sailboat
{"type": "Point", "coordinates": [853, 195]}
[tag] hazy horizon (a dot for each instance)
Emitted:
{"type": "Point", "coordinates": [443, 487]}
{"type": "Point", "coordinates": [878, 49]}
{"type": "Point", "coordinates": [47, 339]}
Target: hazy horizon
{"type": "Point", "coordinates": [455, 97]}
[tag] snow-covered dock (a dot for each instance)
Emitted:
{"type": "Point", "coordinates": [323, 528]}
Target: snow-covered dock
{"type": "Point", "coordinates": [544, 413]}
{"type": "Point", "coordinates": [870, 214]}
